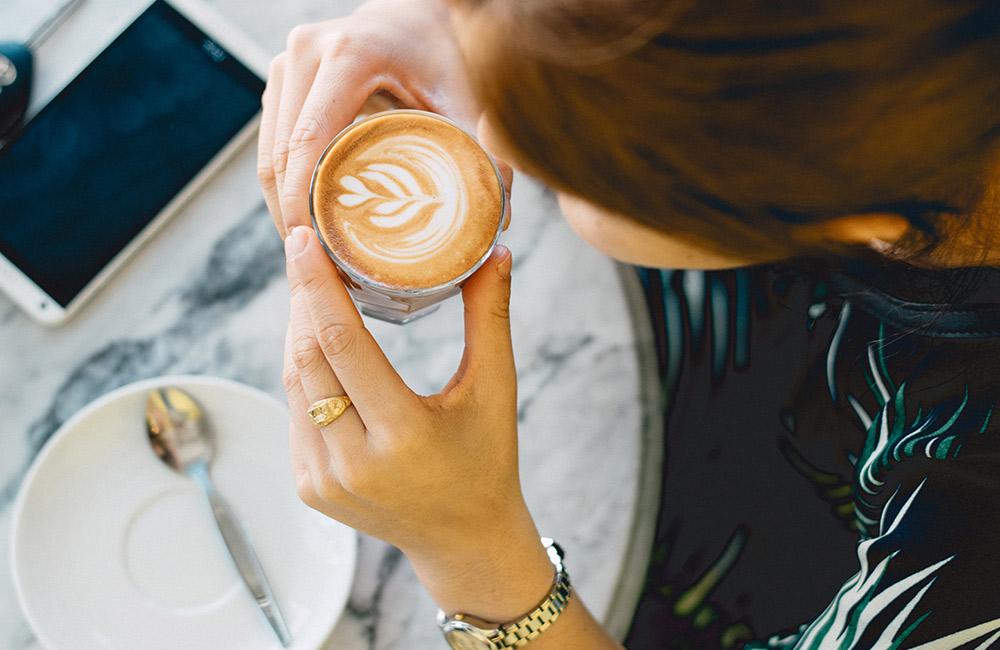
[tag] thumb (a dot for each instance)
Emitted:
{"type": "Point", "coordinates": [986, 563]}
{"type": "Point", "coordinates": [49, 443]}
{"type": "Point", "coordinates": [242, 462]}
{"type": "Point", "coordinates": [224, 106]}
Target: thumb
{"type": "Point", "coordinates": [486, 294]}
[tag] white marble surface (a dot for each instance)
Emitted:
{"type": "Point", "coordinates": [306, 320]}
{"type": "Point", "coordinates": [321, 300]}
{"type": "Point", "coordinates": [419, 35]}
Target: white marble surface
{"type": "Point", "coordinates": [208, 296]}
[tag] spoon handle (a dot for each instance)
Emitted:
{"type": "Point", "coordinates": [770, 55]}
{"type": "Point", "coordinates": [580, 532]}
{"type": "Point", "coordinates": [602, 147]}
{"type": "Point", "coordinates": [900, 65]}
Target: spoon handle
{"type": "Point", "coordinates": [242, 553]}
{"type": "Point", "coordinates": [46, 28]}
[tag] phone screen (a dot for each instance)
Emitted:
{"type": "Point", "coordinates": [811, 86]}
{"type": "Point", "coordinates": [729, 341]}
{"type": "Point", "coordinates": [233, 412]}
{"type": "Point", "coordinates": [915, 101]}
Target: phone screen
{"type": "Point", "coordinates": [101, 160]}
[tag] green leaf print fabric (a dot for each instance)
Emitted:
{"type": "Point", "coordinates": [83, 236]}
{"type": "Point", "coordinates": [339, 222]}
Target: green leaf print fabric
{"type": "Point", "coordinates": [832, 471]}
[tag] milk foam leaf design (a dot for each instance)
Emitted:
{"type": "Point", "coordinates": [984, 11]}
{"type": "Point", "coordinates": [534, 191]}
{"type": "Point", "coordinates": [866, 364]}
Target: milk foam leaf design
{"type": "Point", "coordinates": [385, 173]}
{"type": "Point", "coordinates": [417, 192]}
{"type": "Point", "coordinates": [361, 193]}
{"type": "Point", "coordinates": [389, 207]}
{"type": "Point", "coordinates": [394, 190]}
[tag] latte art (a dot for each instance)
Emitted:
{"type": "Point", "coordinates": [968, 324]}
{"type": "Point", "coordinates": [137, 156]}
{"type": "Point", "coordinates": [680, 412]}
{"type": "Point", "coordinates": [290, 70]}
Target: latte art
{"type": "Point", "coordinates": [416, 204]}
{"type": "Point", "coordinates": [407, 201]}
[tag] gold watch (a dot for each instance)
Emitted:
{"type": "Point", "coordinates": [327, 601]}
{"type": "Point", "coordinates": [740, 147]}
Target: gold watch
{"type": "Point", "coordinates": [462, 635]}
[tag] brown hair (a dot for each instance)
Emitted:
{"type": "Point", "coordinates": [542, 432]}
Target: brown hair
{"type": "Point", "coordinates": [726, 121]}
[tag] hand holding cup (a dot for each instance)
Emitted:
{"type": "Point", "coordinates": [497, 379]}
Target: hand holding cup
{"type": "Point", "coordinates": [435, 475]}
{"type": "Point", "coordinates": [400, 49]}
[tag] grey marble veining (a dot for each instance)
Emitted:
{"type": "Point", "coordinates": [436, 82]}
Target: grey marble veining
{"type": "Point", "coordinates": [208, 296]}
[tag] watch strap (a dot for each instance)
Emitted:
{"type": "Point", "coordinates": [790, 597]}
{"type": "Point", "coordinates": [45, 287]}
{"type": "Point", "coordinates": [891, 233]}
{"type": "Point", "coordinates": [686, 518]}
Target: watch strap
{"type": "Point", "coordinates": [518, 633]}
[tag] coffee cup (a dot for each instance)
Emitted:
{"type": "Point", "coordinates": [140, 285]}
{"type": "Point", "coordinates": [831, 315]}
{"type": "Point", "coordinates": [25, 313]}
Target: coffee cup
{"type": "Point", "coordinates": [408, 205]}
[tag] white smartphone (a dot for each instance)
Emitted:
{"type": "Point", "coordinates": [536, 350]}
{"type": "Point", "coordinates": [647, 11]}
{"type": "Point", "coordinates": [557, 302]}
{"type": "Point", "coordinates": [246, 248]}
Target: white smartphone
{"type": "Point", "coordinates": [118, 151]}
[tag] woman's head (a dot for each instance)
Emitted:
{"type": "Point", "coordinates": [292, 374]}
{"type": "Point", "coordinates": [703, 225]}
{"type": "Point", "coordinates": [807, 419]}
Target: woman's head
{"type": "Point", "coordinates": [733, 124]}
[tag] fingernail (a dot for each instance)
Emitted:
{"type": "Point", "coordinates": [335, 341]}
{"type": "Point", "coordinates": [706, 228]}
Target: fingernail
{"type": "Point", "coordinates": [296, 242]}
{"type": "Point", "coordinates": [505, 262]}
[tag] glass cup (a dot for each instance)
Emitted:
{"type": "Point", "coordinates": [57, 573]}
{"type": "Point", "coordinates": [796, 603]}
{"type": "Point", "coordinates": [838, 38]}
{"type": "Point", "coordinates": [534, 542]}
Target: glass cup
{"type": "Point", "coordinates": [394, 157]}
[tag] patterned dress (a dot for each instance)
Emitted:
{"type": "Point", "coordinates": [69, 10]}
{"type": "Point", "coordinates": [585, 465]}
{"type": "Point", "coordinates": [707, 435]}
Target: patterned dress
{"type": "Point", "coordinates": [832, 470]}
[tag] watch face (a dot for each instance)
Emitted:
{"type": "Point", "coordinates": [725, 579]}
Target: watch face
{"type": "Point", "coordinates": [461, 636]}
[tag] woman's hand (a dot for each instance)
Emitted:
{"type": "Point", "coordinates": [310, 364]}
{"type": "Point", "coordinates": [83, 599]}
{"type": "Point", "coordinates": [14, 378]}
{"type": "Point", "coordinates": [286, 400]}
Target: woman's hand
{"type": "Point", "coordinates": [403, 48]}
{"type": "Point", "coordinates": [436, 476]}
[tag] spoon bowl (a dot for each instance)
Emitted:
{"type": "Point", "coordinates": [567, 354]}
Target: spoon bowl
{"type": "Point", "coordinates": [177, 429]}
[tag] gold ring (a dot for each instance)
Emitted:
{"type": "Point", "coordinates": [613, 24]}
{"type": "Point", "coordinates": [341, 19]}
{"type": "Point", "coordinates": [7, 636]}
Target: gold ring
{"type": "Point", "coordinates": [327, 410]}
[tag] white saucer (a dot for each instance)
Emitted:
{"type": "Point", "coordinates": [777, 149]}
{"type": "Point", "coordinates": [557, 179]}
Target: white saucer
{"type": "Point", "coordinates": [112, 549]}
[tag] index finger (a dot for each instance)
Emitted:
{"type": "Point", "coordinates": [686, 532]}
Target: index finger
{"type": "Point", "coordinates": [336, 96]}
{"type": "Point", "coordinates": [379, 393]}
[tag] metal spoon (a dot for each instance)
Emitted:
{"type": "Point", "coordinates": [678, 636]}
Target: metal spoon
{"type": "Point", "coordinates": [181, 437]}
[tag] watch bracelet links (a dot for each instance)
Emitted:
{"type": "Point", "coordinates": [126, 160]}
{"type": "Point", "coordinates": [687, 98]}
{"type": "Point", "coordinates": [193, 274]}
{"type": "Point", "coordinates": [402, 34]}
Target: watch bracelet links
{"type": "Point", "coordinates": [518, 633]}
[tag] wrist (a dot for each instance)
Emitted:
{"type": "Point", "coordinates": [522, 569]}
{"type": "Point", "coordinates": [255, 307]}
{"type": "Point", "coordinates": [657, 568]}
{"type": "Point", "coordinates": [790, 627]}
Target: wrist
{"type": "Point", "coordinates": [497, 580]}
{"type": "Point", "coordinates": [464, 632]}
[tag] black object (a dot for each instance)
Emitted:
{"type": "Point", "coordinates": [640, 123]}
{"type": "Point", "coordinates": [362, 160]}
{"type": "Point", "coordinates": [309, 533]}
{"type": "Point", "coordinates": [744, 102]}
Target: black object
{"type": "Point", "coordinates": [17, 65]}
{"type": "Point", "coordinates": [15, 84]}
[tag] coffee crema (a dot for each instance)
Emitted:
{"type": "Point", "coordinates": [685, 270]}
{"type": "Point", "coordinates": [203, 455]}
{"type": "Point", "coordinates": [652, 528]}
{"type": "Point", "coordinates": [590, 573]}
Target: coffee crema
{"type": "Point", "coordinates": [407, 200]}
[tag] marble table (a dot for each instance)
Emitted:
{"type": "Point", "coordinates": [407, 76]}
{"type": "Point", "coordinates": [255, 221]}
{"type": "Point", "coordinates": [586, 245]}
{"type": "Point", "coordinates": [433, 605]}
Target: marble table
{"type": "Point", "coordinates": [208, 296]}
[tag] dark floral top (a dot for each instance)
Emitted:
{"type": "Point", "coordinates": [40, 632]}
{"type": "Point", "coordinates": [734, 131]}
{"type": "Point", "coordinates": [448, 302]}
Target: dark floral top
{"type": "Point", "coordinates": [832, 463]}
